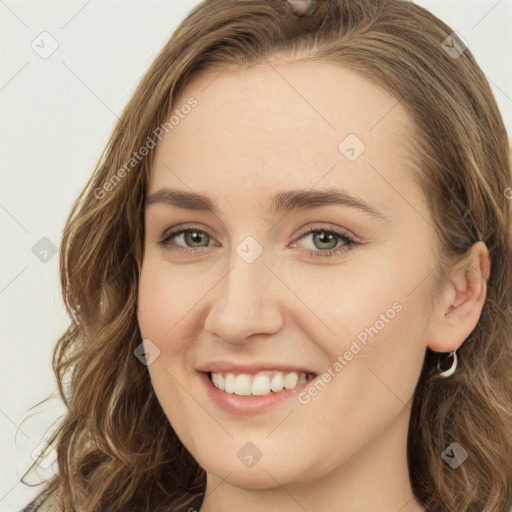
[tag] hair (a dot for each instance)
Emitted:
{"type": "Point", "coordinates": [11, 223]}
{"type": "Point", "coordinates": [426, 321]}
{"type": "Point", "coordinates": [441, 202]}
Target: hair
{"type": "Point", "coordinates": [116, 449]}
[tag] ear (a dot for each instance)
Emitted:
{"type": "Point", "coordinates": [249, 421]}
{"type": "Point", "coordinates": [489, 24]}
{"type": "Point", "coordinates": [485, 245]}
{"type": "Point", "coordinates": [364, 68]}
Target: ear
{"type": "Point", "coordinates": [458, 309]}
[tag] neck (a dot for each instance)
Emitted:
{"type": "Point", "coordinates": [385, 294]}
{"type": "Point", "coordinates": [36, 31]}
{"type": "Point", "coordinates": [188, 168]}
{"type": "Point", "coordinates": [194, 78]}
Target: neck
{"type": "Point", "coordinates": [375, 478]}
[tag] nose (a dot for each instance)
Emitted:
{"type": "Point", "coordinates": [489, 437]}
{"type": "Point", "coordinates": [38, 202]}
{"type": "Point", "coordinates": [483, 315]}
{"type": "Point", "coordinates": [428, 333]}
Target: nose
{"type": "Point", "coordinates": [245, 302]}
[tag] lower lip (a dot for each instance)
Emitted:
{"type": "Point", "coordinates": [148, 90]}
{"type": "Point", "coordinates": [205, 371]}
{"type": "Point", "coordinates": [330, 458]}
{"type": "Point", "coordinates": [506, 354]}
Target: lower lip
{"type": "Point", "coordinates": [248, 405]}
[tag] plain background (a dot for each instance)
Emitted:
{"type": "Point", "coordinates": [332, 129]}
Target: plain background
{"type": "Point", "coordinates": [56, 114]}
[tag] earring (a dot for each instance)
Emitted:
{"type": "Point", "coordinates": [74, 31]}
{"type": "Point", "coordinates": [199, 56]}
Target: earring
{"type": "Point", "coordinates": [453, 367]}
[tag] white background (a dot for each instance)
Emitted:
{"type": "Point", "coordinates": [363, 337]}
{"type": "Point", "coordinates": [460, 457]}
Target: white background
{"type": "Point", "coordinates": [56, 114]}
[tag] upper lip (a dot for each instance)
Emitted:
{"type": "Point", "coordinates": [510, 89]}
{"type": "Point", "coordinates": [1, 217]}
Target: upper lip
{"type": "Point", "coordinates": [250, 369]}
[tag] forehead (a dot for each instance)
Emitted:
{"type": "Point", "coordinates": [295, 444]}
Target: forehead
{"type": "Point", "coordinates": [289, 125]}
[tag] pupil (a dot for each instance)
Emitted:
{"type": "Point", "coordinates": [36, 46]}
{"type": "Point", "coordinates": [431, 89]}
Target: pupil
{"type": "Point", "coordinates": [196, 237]}
{"type": "Point", "coordinates": [325, 238]}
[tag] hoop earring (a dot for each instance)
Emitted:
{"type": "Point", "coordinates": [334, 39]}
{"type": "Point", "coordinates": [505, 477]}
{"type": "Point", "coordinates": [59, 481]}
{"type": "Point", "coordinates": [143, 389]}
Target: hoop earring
{"type": "Point", "coordinates": [453, 367]}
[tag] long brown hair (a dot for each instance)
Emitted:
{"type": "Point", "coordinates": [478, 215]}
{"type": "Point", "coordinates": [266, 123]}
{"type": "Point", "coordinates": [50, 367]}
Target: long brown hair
{"type": "Point", "coordinates": [116, 449]}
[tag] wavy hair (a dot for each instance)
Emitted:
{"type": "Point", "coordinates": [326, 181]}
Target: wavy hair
{"type": "Point", "coordinates": [116, 449]}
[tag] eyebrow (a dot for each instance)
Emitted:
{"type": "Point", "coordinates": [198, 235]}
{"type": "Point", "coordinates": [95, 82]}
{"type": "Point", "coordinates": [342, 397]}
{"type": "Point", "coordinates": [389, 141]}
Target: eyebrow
{"type": "Point", "coordinates": [283, 201]}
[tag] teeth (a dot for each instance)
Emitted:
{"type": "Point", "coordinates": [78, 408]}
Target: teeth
{"type": "Point", "coordinates": [290, 380]}
{"type": "Point", "coordinates": [261, 384]}
{"type": "Point", "coordinates": [243, 385]}
{"type": "Point", "coordinates": [220, 381]}
{"type": "Point", "coordinates": [277, 382]}
{"type": "Point", "coordinates": [229, 383]}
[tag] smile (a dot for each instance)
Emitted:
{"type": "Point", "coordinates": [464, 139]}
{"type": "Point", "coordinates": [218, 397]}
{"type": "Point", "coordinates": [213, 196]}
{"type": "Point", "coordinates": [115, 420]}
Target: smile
{"type": "Point", "coordinates": [260, 384]}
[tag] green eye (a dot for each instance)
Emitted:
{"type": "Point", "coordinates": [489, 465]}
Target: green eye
{"type": "Point", "coordinates": [191, 238]}
{"type": "Point", "coordinates": [322, 242]}
{"type": "Point", "coordinates": [325, 242]}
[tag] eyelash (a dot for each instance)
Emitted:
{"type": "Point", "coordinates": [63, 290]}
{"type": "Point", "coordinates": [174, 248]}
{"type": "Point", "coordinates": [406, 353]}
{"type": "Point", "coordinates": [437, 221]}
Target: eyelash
{"type": "Point", "coordinates": [348, 242]}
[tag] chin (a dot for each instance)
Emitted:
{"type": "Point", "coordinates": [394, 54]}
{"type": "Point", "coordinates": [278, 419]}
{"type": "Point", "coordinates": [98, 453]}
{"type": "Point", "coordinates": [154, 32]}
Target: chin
{"type": "Point", "coordinates": [266, 473]}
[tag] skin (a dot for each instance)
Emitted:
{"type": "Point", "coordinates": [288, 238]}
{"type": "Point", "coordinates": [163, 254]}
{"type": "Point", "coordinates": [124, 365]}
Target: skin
{"type": "Point", "coordinates": [252, 134]}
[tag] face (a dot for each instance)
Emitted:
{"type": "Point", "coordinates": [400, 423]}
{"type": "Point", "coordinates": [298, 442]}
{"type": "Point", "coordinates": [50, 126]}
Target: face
{"type": "Point", "coordinates": [274, 282]}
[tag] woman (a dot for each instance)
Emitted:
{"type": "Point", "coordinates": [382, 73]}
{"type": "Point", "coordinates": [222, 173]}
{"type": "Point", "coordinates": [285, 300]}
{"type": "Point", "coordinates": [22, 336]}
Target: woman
{"type": "Point", "coordinates": [289, 276]}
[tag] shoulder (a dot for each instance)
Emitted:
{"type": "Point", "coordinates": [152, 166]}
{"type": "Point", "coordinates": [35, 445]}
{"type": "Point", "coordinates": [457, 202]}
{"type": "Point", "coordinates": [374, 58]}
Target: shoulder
{"type": "Point", "coordinates": [49, 504]}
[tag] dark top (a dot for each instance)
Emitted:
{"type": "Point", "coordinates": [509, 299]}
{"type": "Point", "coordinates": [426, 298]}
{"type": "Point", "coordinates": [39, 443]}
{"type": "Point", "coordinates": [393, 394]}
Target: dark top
{"type": "Point", "coordinates": [194, 506]}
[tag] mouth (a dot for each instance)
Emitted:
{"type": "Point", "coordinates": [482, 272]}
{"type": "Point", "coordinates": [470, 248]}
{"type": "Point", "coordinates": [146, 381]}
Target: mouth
{"type": "Point", "coordinates": [262, 383]}
{"type": "Point", "coordinates": [248, 394]}
{"type": "Point", "coordinates": [248, 389]}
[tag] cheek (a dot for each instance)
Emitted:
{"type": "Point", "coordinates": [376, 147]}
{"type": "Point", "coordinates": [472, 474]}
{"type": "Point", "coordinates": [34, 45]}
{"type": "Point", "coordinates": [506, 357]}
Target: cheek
{"type": "Point", "coordinates": [372, 312]}
{"type": "Point", "coordinates": [390, 336]}
{"type": "Point", "coordinates": [363, 297]}
{"type": "Point", "coordinates": [166, 297]}
{"type": "Point", "coordinates": [165, 301]}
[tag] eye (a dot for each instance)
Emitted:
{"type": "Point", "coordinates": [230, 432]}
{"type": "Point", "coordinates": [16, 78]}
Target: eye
{"type": "Point", "coordinates": [322, 242]}
{"type": "Point", "coordinates": [326, 242]}
{"type": "Point", "coordinates": [195, 237]}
